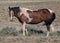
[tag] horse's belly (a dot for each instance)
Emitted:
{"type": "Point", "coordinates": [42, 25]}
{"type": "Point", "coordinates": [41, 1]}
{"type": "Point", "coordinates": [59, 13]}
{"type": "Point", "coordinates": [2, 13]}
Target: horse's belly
{"type": "Point", "coordinates": [35, 21]}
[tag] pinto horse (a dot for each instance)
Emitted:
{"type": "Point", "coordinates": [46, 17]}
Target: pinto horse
{"type": "Point", "coordinates": [28, 16]}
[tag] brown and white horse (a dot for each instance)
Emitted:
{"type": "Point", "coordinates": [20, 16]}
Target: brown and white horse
{"type": "Point", "coordinates": [27, 16]}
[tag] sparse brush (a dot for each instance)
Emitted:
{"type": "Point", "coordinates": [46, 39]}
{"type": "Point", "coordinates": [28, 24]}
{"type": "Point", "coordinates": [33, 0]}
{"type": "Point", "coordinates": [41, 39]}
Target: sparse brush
{"type": "Point", "coordinates": [9, 31]}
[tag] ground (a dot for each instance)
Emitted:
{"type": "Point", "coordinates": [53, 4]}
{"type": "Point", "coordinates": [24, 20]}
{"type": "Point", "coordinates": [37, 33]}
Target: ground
{"type": "Point", "coordinates": [34, 38]}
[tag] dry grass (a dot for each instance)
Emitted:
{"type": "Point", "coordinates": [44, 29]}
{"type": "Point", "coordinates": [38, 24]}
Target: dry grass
{"type": "Point", "coordinates": [10, 37]}
{"type": "Point", "coordinates": [30, 39]}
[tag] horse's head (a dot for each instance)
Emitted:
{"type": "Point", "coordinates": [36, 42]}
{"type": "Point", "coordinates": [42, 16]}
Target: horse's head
{"type": "Point", "coordinates": [13, 11]}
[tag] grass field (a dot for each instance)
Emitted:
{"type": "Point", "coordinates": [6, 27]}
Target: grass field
{"type": "Point", "coordinates": [35, 37]}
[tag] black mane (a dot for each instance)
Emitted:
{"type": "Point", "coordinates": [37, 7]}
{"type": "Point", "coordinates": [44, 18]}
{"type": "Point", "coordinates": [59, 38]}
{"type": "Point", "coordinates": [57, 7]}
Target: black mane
{"type": "Point", "coordinates": [16, 10]}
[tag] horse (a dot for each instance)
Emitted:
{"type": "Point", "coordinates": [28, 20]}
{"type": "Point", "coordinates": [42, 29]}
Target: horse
{"type": "Point", "coordinates": [28, 16]}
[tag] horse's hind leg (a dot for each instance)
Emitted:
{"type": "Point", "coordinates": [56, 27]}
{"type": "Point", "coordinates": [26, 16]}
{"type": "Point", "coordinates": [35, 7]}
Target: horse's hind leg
{"type": "Point", "coordinates": [49, 26]}
{"type": "Point", "coordinates": [52, 27]}
{"type": "Point", "coordinates": [48, 30]}
{"type": "Point", "coordinates": [47, 23]}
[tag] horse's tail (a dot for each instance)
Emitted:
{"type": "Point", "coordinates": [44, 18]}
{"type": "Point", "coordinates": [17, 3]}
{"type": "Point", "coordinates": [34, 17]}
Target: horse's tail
{"type": "Point", "coordinates": [49, 21]}
{"type": "Point", "coordinates": [53, 15]}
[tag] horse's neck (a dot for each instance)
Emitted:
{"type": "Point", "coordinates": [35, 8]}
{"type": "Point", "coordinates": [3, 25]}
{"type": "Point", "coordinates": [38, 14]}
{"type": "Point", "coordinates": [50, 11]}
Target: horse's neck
{"type": "Point", "coordinates": [18, 17]}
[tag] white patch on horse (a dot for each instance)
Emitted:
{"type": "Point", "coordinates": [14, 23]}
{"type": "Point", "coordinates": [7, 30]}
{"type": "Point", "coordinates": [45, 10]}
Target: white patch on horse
{"type": "Point", "coordinates": [24, 24]}
{"type": "Point", "coordinates": [11, 15]}
{"type": "Point", "coordinates": [24, 11]}
{"type": "Point", "coordinates": [51, 11]}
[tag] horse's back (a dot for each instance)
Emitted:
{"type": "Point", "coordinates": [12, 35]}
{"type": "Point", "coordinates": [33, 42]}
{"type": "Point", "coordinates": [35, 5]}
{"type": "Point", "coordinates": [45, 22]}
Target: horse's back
{"type": "Point", "coordinates": [40, 13]}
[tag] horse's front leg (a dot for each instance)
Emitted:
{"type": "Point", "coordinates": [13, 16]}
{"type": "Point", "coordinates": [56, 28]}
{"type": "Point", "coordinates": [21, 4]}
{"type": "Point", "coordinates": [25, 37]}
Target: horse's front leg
{"type": "Point", "coordinates": [24, 24]}
{"type": "Point", "coordinates": [26, 32]}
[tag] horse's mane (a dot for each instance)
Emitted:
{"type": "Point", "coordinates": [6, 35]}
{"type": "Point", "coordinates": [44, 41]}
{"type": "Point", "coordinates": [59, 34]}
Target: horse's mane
{"type": "Point", "coordinates": [15, 9]}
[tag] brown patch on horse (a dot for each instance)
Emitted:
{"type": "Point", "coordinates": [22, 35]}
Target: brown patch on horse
{"type": "Point", "coordinates": [24, 18]}
{"type": "Point", "coordinates": [39, 15]}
